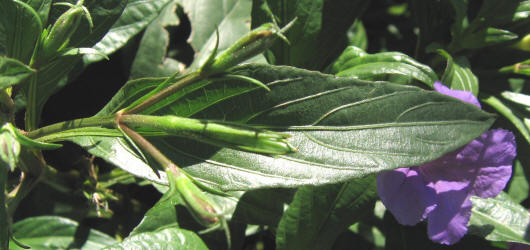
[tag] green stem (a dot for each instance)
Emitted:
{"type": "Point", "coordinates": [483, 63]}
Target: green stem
{"type": "Point", "coordinates": [187, 80]}
{"type": "Point", "coordinates": [31, 104]}
{"type": "Point", "coordinates": [151, 150]}
{"type": "Point", "coordinates": [4, 229]}
{"type": "Point", "coordinates": [96, 121]}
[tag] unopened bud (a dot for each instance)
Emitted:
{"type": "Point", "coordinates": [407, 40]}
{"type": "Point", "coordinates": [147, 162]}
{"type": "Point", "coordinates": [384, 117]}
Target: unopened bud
{"type": "Point", "coordinates": [62, 30]}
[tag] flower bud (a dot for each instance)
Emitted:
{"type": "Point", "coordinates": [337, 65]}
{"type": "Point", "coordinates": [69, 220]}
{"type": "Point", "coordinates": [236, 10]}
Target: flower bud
{"type": "Point", "coordinates": [62, 30]}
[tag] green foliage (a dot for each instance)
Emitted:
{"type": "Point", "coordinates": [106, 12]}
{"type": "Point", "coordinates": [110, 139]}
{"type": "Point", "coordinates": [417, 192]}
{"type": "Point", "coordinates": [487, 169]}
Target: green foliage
{"type": "Point", "coordinates": [500, 219]}
{"type": "Point", "coordinates": [318, 34]}
{"type": "Point", "coordinates": [277, 144]}
{"type": "Point", "coordinates": [134, 18]}
{"type": "Point", "coordinates": [336, 108]}
{"type": "Point", "coordinates": [21, 29]}
{"type": "Point", "coordinates": [53, 232]}
{"type": "Point", "coordinates": [318, 215]}
{"type": "Point", "coordinates": [163, 239]}
{"type": "Point", "coordinates": [150, 59]}
{"type": "Point", "coordinates": [386, 66]}
{"type": "Point", "coordinates": [13, 72]}
{"type": "Point", "coordinates": [458, 75]}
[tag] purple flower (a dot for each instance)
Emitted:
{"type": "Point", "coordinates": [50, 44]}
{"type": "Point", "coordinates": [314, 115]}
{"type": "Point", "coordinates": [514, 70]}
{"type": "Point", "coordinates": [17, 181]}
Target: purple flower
{"type": "Point", "coordinates": [439, 191]}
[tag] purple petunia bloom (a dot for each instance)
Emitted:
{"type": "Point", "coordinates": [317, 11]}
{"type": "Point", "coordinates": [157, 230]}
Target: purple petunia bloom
{"type": "Point", "coordinates": [439, 191]}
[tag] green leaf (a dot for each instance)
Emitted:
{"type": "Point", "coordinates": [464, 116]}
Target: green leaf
{"type": "Point", "coordinates": [518, 189]}
{"type": "Point", "coordinates": [499, 219]}
{"type": "Point", "coordinates": [433, 19]}
{"type": "Point", "coordinates": [461, 22]}
{"type": "Point", "coordinates": [479, 33]}
{"type": "Point", "coordinates": [52, 76]}
{"type": "Point", "coordinates": [522, 12]}
{"type": "Point", "coordinates": [510, 114]}
{"type": "Point", "coordinates": [318, 215]}
{"type": "Point", "coordinates": [458, 74]}
{"type": "Point", "coordinates": [135, 17]}
{"type": "Point", "coordinates": [150, 59]}
{"type": "Point", "coordinates": [104, 16]}
{"type": "Point", "coordinates": [496, 13]}
{"type": "Point", "coordinates": [53, 232]}
{"type": "Point", "coordinates": [21, 27]}
{"type": "Point", "coordinates": [262, 206]}
{"type": "Point", "coordinates": [25, 141]}
{"type": "Point", "coordinates": [387, 66]}
{"type": "Point", "coordinates": [357, 35]}
{"type": "Point", "coordinates": [229, 17]}
{"type": "Point", "coordinates": [371, 225]}
{"type": "Point", "coordinates": [486, 37]}
{"type": "Point", "coordinates": [162, 214]}
{"type": "Point", "coordinates": [170, 238]}
{"type": "Point", "coordinates": [319, 33]}
{"type": "Point", "coordinates": [521, 99]}
{"type": "Point", "coordinates": [343, 128]}
{"type": "Point", "coordinates": [131, 91]}
{"type": "Point", "coordinates": [13, 72]}
{"type": "Point", "coordinates": [42, 7]}
{"type": "Point", "coordinates": [49, 79]}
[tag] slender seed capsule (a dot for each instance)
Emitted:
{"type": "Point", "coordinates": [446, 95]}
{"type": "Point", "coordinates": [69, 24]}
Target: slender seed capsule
{"type": "Point", "coordinates": [250, 45]}
{"type": "Point", "coordinates": [221, 134]}
{"type": "Point", "coordinates": [198, 204]}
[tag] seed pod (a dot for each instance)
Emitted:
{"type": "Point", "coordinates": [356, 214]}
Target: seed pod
{"type": "Point", "coordinates": [250, 45]}
{"type": "Point", "coordinates": [221, 134]}
{"type": "Point", "coordinates": [197, 202]}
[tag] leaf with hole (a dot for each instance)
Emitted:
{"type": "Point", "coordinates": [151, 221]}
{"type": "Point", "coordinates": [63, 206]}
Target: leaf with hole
{"type": "Point", "coordinates": [318, 34]}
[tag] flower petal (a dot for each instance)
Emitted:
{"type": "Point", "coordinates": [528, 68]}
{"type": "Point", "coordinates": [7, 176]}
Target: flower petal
{"type": "Point", "coordinates": [496, 151]}
{"type": "Point", "coordinates": [405, 195]}
{"type": "Point", "coordinates": [447, 224]}
{"type": "Point", "coordinates": [463, 95]}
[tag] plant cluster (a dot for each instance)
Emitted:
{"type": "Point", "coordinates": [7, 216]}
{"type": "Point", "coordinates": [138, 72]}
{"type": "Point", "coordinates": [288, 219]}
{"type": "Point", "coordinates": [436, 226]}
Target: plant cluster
{"type": "Point", "coordinates": [304, 124]}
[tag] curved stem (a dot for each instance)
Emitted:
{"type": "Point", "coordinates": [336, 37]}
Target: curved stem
{"type": "Point", "coordinates": [151, 149]}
